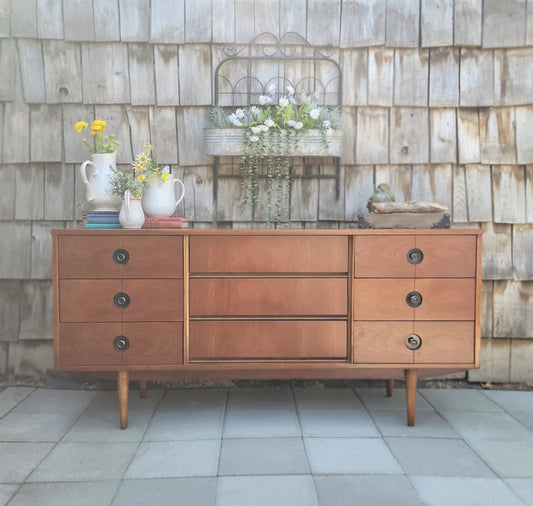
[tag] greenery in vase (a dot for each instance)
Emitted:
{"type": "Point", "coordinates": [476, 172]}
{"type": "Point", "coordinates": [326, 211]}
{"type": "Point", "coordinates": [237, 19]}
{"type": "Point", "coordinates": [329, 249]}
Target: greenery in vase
{"type": "Point", "coordinates": [100, 143]}
{"type": "Point", "coordinates": [271, 134]}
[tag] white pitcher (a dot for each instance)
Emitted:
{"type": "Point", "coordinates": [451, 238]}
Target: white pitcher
{"type": "Point", "coordinates": [159, 198]}
{"type": "Point", "coordinates": [97, 185]}
{"type": "Point", "coordinates": [131, 213]}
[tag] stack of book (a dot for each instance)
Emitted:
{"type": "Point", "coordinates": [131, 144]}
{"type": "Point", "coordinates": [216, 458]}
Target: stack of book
{"type": "Point", "coordinates": [166, 222]}
{"type": "Point", "coordinates": [101, 219]}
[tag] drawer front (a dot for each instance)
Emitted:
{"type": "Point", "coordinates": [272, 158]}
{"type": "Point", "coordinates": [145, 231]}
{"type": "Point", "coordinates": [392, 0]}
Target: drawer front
{"type": "Point", "coordinates": [120, 256]}
{"type": "Point", "coordinates": [441, 256]}
{"type": "Point", "coordinates": [383, 342]}
{"type": "Point", "coordinates": [287, 254]}
{"type": "Point", "coordinates": [442, 299]}
{"type": "Point", "coordinates": [268, 297]}
{"type": "Point", "coordinates": [91, 344]}
{"type": "Point", "coordinates": [267, 340]}
{"type": "Point", "coordinates": [83, 300]}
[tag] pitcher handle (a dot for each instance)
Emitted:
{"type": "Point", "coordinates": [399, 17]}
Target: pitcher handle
{"type": "Point", "coordinates": [127, 203]}
{"type": "Point", "coordinates": [182, 190]}
{"type": "Point", "coordinates": [83, 173]}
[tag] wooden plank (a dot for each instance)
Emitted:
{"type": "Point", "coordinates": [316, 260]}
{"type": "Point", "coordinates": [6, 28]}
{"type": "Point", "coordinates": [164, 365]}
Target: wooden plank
{"type": "Point", "coordinates": [62, 66]}
{"type": "Point", "coordinates": [512, 309]}
{"type": "Point", "coordinates": [478, 186]}
{"type": "Point", "coordinates": [468, 19]}
{"type": "Point", "coordinates": [49, 19]}
{"type": "Point", "coordinates": [443, 135]}
{"type": "Point", "coordinates": [497, 251]}
{"type": "Point", "coordinates": [105, 87]}
{"type": "Point", "coordinates": [195, 60]}
{"type": "Point", "coordinates": [228, 203]}
{"type": "Point", "coordinates": [476, 78]}
{"type": "Point", "coordinates": [134, 21]}
{"type": "Point", "coordinates": [380, 76]}
{"type": "Point", "coordinates": [355, 70]}
{"type": "Point", "coordinates": [460, 208]}
{"type": "Point", "coordinates": [164, 135]}
{"type": "Point", "coordinates": [167, 21]}
{"type": "Point", "coordinates": [16, 133]}
{"type": "Point", "coordinates": [224, 25]}
{"type": "Point", "coordinates": [198, 21]}
{"type": "Point", "coordinates": [58, 192]}
{"type": "Point", "coordinates": [166, 74]}
{"type": "Point", "coordinates": [363, 23]}
{"type": "Point", "coordinates": [75, 150]}
{"type": "Point", "coordinates": [191, 122]}
{"type": "Point", "coordinates": [5, 18]}
{"type": "Point", "coordinates": [24, 19]}
{"type": "Point", "coordinates": [372, 146]}
{"type": "Point", "coordinates": [513, 75]}
{"type": "Point", "coordinates": [411, 72]}
{"type": "Point", "coordinates": [409, 135]}
{"type": "Point", "coordinates": [198, 201]}
{"type": "Point", "coordinates": [504, 23]}
{"type": "Point", "coordinates": [267, 16]}
{"type": "Point", "coordinates": [45, 124]}
{"type": "Point", "coordinates": [329, 206]}
{"type": "Point", "coordinates": [304, 194]}
{"type": "Point", "coordinates": [508, 195]}
{"type": "Point", "coordinates": [529, 193]}
{"type": "Point", "coordinates": [142, 78]}
{"type": "Point", "coordinates": [106, 19]}
{"type": "Point", "coordinates": [436, 23]}
{"type": "Point", "coordinates": [522, 246]}
{"type": "Point", "coordinates": [399, 179]}
{"type": "Point", "coordinates": [444, 77]}
{"type": "Point", "coordinates": [32, 70]}
{"type": "Point", "coordinates": [497, 136]}
{"type": "Point", "coordinates": [139, 124]}
{"type": "Point", "coordinates": [78, 20]}
{"type": "Point", "coordinates": [244, 32]}
{"type": "Point", "coordinates": [358, 189]}
{"type": "Point", "coordinates": [29, 195]}
{"type": "Point", "coordinates": [468, 142]}
{"type": "Point", "coordinates": [8, 60]}
{"type": "Point", "coordinates": [318, 13]}
{"type": "Point", "coordinates": [7, 203]}
{"type": "Point", "coordinates": [524, 126]}
{"type": "Point", "coordinates": [402, 23]}
{"type": "Point", "coordinates": [16, 250]}
{"type": "Point", "coordinates": [433, 183]}
{"type": "Point", "coordinates": [117, 123]}
{"type": "Point", "coordinates": [349, 134]}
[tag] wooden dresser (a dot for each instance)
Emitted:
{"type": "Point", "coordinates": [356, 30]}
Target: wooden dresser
{"type": "Point", "coordinates": [259, 304]}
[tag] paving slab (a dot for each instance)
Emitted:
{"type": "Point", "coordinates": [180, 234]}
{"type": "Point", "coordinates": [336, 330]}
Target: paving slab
{"type": "Point", "coordinates": [327, 398]}
{"type": "Point", "coordinates": [512, 401]}
{"type": "Point", "coordinates": [56, 401]}
{"type": "Point", "coordinates": [11, 396]}
{"type": "Point", "coordinates": [336, 423]}
{"type": "Point", "coordinates": [509, 459]}
{"type": "Point", "coordinates": [18, 460]}
{"type": "Point", "coordinates": [267, 422]}
{"type": "Point", "coordinates": [459, 400]}
{"type": "Point", "coordinates": [36, 427]}
{"type": "Point", "coordinates": [523, 488]}
{"type": "Point", "coordinates": [375, 398]}
{"type": "Point", "coordinates": [192, 399]}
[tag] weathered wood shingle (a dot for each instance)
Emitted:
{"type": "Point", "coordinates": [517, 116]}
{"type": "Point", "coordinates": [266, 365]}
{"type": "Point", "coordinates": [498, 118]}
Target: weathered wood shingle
{"type": "Point", "coordinates": [142, 77]}
{"type": "Point", "coordinates": [402, 23]}
{"type": "Point", "coordinates": [524, 128]}
{"type": "Point", "coordinates": [49, 19]}
{"type": "Point", "coordinates": [497, 251]}
{"type": "Point", "coordinates": [411, 72]}
{"type": "Point", "coordinates": [24, 19]}
{"type": "Point", "coordinates": [504, 23]}
{"type": "Point", "coordinates": [359, 186]}
{"type": "Point", "coordinates": [479, 191]}
{"type": "Point", "coordinates": [45, 125]}
{"type": "Point", "coordinates": [355, 81]}
{"type": "Point", "coordinates": [198, 21]}
{"type": "Point", "coordinates": [190, 124]}
{"type": "Point", "coordinates": [497, 135]}
{"type": "Point", "coordinates": [5, 18]}
{"type": "Point", "coordinates": [62, 67]}
{"type": "Point", "coordinates": [134, 20]}
{"type": "Point", "coordinates": [363, 23]}
{"type": "Point", "coordinates": [323, 22]}
{"type": "Point", "coordinates": [292, 19]}
{"type": "Point", "coordinates": [106, 20]}
{"type": "Point", "coordinates": [224, 27]}
{"type": "Point", "coordinates": [164, 134]}
{"type": "Point", "coordinates": [195, 68]}
{"type": "Point", "coordinates": [380, 76]}
{"type": "Point", "coordinates": [444, 77]}
{"type": "Point", "coordinates": [468, 144]}
{"type": "Point", "coordinates": [166, 68]}
{"type": "Point", "coordinates": [513, 76]}
{"type": "Point", "coordinates": [522, 247]}
{"type": "Point", "coordinates": [468, 21]}
{"type": "Point", "coordinates": [8, 57]}
{"type": "Point", "coordinates": [409, 136]}
{"type": "Point", "coordinates": [58, 192]}
{"type": "Point", "coordinates": [167, 21]}
{"type": "Point", "coordinates": [508, 193]}
{"type": "Point", "coordinates": [476, 78]}
{"type": "Point", "coordinates": [372, 146]}
{"type": "Point", "coordinates": [436, 23]}
{"type": "Point", "coordinates": [512, 309]}
{"type": "Point", "coordinates": [78, 20]}
{"type": "Point", "coordinates": [32, 70]}
{"type": "Point", "coordinates": [443, 135]}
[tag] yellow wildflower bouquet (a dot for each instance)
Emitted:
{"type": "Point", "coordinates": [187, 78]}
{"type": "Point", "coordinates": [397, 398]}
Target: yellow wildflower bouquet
{"type": "Point", "coordinates": [146, 168]}
{"type": "Point", "coordinates": [101, 143]}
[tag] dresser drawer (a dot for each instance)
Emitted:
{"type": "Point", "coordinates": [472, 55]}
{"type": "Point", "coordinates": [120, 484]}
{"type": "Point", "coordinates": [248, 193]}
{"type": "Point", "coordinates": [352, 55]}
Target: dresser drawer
{"type": "Point", "coordinates": [442, 299]}
{"type": "Point", "coordinates": [84, 300]}
{"type": "Point", "coordinates": [91, 344]}
{"type": "Point", "coordinates": [267, 340]}
{"type": "Point", "coordinates": [384, 342]}
{"type": "Point", "coordinates": [115, 256]}
{"type": "Point", "coordinates": [438, 256]}
{"type": "Point", "coordinates": [268, 297]}
{"type": "Point", "coordinates": [268, 254]}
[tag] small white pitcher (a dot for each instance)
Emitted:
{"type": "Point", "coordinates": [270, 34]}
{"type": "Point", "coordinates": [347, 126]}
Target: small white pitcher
{"type": "Point", "coordinates": [159, 198]}
{"type": "Point", "coordinates": [131, 213]}
{"type": "Point", "coordinates": [97, 186]}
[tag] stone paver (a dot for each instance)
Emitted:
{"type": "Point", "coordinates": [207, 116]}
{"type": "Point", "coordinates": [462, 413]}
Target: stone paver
{"type": "Point", "coordinates": [314, 446]}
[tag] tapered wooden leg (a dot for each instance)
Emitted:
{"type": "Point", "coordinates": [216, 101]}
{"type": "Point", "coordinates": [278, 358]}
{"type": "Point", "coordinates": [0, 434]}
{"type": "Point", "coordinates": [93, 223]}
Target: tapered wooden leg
{"type": "Point", "coordinates": [142, 388]}
{"type": "Point", "coordinates": [123, 387]}
{"type": "Point", "coordinates": [390, 387]}
{"type": "Point", "coordinates": [410, 390]}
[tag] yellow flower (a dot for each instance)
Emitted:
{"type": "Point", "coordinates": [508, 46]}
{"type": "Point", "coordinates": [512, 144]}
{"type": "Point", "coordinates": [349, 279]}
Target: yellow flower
{"type": "Point", "coordinates": [141, 178]}
{"type": "Point", "coordinates": [80, 126]}
{"type": "Point", "coordinates": [99, 125]}
{"type": "Point", "coordinates": [164, 176]}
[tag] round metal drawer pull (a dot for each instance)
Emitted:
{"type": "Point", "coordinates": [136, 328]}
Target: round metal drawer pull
{"type": "Point", "coordinates": [415, 256]}
{"type": "Point", "coordinates": [121, 300]}
{"type": "Point", "coordinates": [121, 256]}
{"type": "Point", "coordinates": [121, 343]}
{"type": "Point", "coordinates": [413, 341]}
{"type": "Point", "coordinates": [413, 299]}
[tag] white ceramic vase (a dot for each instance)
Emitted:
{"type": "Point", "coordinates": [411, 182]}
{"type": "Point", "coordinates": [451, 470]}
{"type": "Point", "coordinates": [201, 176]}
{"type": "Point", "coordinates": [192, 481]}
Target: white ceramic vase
{"type": "Point", "coordinates": [131, 212]}
{"type": "Point", "coordinates": [159, 198]}
{"type": "Point", "coordinates": [96, 181]}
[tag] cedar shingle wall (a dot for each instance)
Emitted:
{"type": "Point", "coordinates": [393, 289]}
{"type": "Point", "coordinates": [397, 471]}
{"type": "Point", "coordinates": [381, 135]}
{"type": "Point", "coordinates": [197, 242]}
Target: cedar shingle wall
{"type": "Point", "coordinates": [437, 101]}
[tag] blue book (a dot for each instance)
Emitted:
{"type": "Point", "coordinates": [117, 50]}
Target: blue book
{"type": "Point", "coordinates": [103, 225]}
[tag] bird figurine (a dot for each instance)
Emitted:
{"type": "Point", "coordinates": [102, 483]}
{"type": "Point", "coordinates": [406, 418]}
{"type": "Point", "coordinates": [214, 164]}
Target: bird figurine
{"type": "Point", "coordinates": [382, 194]}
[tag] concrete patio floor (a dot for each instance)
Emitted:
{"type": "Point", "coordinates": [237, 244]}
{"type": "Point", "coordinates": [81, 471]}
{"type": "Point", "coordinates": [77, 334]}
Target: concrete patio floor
{"type": "Point", "coordinates": [266, 447]}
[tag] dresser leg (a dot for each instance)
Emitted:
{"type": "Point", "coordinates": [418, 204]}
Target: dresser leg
{"type": "Point", "coordinates": [123, 387]}
{"type": "Point", "coordinates": [410, 390]}
{"type": "Point", "coordinates": [142, 388]}
{"type": "Point", "coordinates": [390, 387]}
